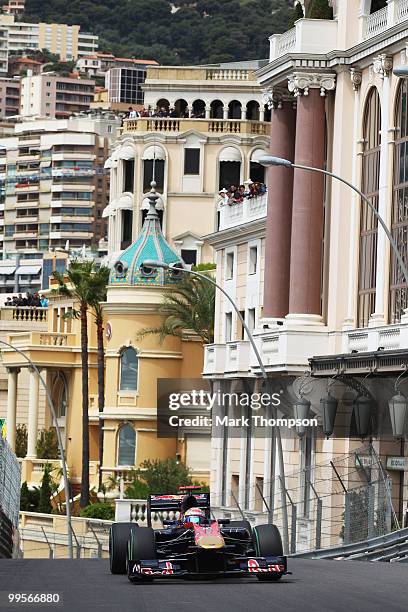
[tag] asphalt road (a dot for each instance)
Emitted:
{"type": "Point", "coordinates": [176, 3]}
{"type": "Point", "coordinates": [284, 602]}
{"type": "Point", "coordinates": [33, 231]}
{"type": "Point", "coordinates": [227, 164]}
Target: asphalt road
{"type": "Point", "coordinates": [321, 586]}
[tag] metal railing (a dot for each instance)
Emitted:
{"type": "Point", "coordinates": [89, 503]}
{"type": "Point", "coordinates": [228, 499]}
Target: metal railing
{"type": "Point", "coordinates": [336, 503]}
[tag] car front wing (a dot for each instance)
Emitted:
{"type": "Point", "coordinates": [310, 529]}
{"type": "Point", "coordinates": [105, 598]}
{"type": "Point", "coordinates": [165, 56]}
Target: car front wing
{"type": "Point", "coordinates": [178, 567]}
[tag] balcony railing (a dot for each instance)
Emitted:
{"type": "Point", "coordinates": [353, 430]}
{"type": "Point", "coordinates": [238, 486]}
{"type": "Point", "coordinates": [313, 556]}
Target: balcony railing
{"type": "Point", "coordinates": [230, 74]}
{"type": "Point", "coordinates": [243, 212]}
{"type": "Point", "coordinates": [375, 23]}
{"type": "Point", "coordinates": [287, 42]}
{"type": "Point", "coordinates": [29, 313]}
{"type": "Point", "coordinates": [218, 126]}
{"type": "Point", "coordinates": [402, 11]}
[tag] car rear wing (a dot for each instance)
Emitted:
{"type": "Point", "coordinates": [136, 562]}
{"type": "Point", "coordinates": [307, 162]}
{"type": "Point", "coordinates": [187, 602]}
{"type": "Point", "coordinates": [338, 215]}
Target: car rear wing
{"type": "Point", "coordinates": [172, 503]}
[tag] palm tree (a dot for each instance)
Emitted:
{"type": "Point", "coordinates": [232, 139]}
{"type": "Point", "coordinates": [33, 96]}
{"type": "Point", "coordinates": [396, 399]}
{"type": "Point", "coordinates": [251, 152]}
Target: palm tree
{"type": "Point", "coordinates": [101, 279]}
{"type": "Point", "coordinates": [188, 306]}
{"type": "Point", "coordinates": [84, 284]}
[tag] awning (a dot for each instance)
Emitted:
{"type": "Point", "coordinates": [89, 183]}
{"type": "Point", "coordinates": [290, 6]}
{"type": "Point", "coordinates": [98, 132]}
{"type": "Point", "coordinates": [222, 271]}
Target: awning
{"type": "Point", "coordinates": [28, 270]}
{"type": "Point", "coordinates": [126, 152]}
{"type": "Point", "coordinates": [230, 154]}
{"type": "Point", "coordinates": [257, 154]}
{"type": "Point", "coordinates": [153, 152]}
{"type": "Point", "coordinates": [146, 204]}
{"type": "Point", "coordinates": [109, 210]}
{"type": "Point", "coordinates": [6, 270]}
{"type": "Point", "coordinates": [124, 202]}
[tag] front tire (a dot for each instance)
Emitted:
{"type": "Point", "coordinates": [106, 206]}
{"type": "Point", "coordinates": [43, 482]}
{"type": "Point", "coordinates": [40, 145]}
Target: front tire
{"type": "Point", "coordinates": [267, 543]}
{"type": "Point", "coordinates": [141, 546]}
{"type": "Point", "coordinates": [119, 535]}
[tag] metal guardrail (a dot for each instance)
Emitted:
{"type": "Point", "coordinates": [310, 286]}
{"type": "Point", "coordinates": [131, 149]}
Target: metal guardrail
{"type": "Point", "coordinates": [360, 550]}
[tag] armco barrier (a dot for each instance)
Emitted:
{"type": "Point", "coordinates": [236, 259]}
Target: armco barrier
{"type": "Point", "coordinates": [370, 550]}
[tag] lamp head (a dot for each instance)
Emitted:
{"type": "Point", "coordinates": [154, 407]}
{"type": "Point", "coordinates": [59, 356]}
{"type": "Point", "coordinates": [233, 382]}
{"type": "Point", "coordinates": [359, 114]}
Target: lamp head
{"type": "Point", "coordinates": [270, 160]}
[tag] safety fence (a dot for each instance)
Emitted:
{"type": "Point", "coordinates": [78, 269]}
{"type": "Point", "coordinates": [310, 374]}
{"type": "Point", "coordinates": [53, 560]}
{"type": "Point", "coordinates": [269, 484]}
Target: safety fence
{"type": "Point", "coordinates": [45, 536]}
{"type": "Point", "coordinates": [9, 498]}
{"type": "Point", "coordinates": [344, 500]}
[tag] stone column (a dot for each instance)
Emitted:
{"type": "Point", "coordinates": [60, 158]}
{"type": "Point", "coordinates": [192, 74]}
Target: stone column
{"type": "Point", "coordinates": [11, 417]}
{"type": "Point", "coordinates": [279, 217]}
{"type": "Point", "coordinates": [350, 319]}
{"type": "Point", "coordinates": [382, 66]}
{"type": "Point", "coordinates": [225, 111]}
{"type": "Point", "coordinates": [308, 198]}
{"type": "Point", "coordinates": [207, 111]}
{"type": "Point", "coordinates": [32, 414]}
{"type": "Point", "coordinates": [262, 114]}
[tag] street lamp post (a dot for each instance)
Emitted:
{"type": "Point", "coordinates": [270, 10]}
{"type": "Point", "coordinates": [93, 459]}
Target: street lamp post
{"type": "Point", "coordinates": [160, 264]}
{"type": "Point", "coordinates": [60, 445]}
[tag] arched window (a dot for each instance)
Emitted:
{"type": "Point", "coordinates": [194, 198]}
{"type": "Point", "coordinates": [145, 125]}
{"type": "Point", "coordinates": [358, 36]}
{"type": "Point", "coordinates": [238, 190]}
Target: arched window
{"type": "Point", "coordinates": [216, 109]}
{"type": "Point", "coordinates": [60, 395]}
{"type": "Point", "coordinates": [367, 275]}
{"type": "Point", "coordinates": [399, 222]}
{"type": "Point", "coordinates": [126, 445]}
{"type": "Point", "coordinates": [235, 110]}
{"type": "Point", "coordinates": [129, 366]}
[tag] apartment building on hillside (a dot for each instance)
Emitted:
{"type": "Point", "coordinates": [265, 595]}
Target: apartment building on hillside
{"type": "Point", "coordinates": [53, 184]}
{"type": "Point", "coordinates": [9, 97]}
{"type": "Point", "coordinates": [54, 96]}
{"type": "Point", "coordinates": [65, 40]}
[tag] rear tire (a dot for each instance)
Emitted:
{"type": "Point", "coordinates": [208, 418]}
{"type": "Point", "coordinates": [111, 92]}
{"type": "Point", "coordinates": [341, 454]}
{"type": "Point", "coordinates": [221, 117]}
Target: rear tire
{"type": "Point", "coordinates": [119, 535]}
{"type": "Point", "coordinates": [267, 543]}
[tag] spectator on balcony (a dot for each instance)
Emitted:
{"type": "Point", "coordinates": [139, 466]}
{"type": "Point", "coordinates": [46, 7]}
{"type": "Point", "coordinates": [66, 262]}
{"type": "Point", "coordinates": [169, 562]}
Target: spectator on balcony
{"type": "Point", "coordinates": [9, 302]}
{"type": "Point", "coordinates": [44, 302]}
{"type": "Point", "coordinates": [173, 113]}
{"type": "Point", "coordinates": [133, 114]}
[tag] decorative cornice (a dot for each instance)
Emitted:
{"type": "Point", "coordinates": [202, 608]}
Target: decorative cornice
{"type": "Point", "coordinates": [356, 78]}
{"type": "Point", "coordinates": [274, 97]}
{"type": "Point", "coordinates": [382, 65]}
{"type": "Point", "coordinates": [302, 82]}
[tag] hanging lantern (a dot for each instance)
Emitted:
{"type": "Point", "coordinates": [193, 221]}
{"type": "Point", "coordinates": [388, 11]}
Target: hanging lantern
{"type": "Point", "coordinates": [301, 410]}
{"type": "Point", "coordinates": [363, 407]}
{"type": "Point", "coordinates": [328, 406]}
{"type": "Point", "coordinates": [398, 407]}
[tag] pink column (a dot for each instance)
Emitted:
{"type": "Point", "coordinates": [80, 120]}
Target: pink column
{"type": "Point", "coordinates": [279, 218]}
{"type": "Point", "coordinates": [307, 213]}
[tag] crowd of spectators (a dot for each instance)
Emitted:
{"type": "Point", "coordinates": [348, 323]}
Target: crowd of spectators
{"type": "Point", "coordinates": [30, 299]}
{"type": "Point", "coordinates": [236, 195]}
{"type": "Point", "coordinates": [162, 112]}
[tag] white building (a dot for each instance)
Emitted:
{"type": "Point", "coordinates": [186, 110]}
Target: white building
{"type": "Point", "coordinates": [316, 278]}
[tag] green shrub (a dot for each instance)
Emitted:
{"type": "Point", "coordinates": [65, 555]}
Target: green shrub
{"type": "Point", "coordinates": [29, 498]}
{"type": "Point", "coordinates": [21, 440]}
{"type": "Point", "coordinates": [44, 504]}
{"type": "Point", "coordinates": [47, 444]}
{"type": "Point", "coordinates": [137, 489]}
{"type": "Point", "coordinates": [103, 511]}
{"type": "Point", "coordinates": [320, 9]}
{"type": "Point", "coordinates": [204, 266]}
{"type": "Point", "coordinates": [297, 14]}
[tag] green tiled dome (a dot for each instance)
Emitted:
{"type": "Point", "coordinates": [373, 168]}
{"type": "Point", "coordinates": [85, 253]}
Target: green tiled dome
{"type": "Point", "coordinates": [151, 244]}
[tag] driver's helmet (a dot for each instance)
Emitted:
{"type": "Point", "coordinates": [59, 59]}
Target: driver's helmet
{"type": "Point", "coordinates": [194, 515]}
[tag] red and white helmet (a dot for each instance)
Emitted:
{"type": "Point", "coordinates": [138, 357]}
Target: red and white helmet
{"type": "Point", "coordinates": [194, 515]}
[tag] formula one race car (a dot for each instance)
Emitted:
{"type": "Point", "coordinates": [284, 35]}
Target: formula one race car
{"type": "Point", "coordinates": [194, 544]}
